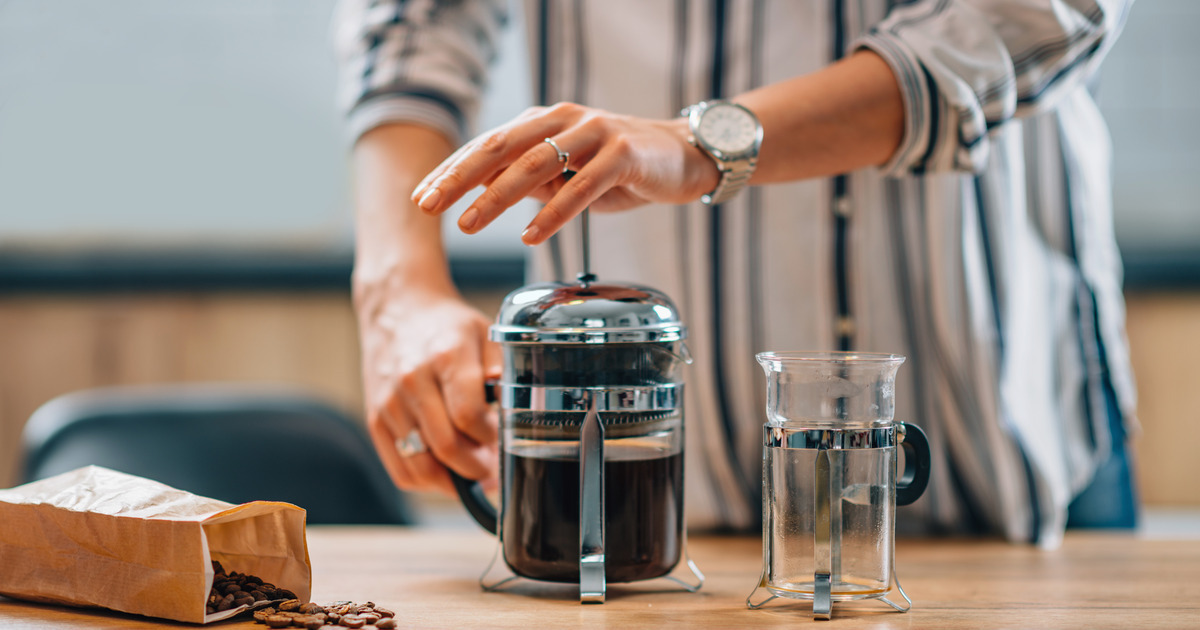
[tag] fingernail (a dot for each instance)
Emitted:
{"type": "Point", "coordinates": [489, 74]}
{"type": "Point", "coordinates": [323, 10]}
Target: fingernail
{"type": "Point", "coordinates": [531, 234]}
{"type": "Point", "coordinates": [430, 200]}
{"type": "Point", "coordinates": [468, 219]}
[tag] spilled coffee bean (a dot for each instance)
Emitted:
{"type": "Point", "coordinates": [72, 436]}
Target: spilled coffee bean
{"type": "Point", "coordinates": [278, 621]}
{"type": "Point", "coordinates": [292, 613]}
{"type": "Point", "coordinates": [282, 609]}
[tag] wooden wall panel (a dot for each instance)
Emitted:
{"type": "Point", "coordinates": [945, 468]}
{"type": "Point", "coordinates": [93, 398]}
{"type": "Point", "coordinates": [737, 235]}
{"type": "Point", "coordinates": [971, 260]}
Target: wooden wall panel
{"type": "Point", "coordinates": [46, 348]}
{"type": "Point", "coordinates": [54, 345]}
{"type": "Point", "coordinates": [1164, 341]}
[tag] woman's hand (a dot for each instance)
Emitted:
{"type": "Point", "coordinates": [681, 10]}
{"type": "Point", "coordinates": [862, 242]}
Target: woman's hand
{"type": "Point", "coordinates": [621, 162]}
{"type": "Point", "coordinates": [425, 352]}
{"type": "Point", "coordinates": [425, 359]}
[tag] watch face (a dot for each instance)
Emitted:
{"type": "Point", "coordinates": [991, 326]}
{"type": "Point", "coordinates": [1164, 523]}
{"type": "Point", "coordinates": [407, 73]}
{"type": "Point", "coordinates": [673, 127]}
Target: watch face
{"type": "Point", "coordinates": [728, 129]}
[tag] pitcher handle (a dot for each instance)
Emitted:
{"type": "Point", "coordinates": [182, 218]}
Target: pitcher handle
{"type": "Point", "coordinates": [915, 477]}
{"type": "Point", "coordinates": [470, 492]}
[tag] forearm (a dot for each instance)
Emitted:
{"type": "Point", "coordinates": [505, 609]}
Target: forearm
{"type": "Point", "coordinates": [425, 352]}
{"type": "Point", "coordinates": [844, 117]}
{"type": "Point", "coordinates": [399, 248]}
{"type": "Point", "coordinates": [835, 120]}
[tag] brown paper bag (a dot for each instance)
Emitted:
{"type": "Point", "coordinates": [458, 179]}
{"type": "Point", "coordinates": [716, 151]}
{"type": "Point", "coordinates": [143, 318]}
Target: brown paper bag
{"type": "Point", "coordinates": [97, 537]}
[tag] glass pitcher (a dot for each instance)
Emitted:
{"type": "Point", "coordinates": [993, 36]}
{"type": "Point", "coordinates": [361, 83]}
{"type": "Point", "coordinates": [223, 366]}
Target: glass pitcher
{"type": "Point", "coordinates": [830, 486]}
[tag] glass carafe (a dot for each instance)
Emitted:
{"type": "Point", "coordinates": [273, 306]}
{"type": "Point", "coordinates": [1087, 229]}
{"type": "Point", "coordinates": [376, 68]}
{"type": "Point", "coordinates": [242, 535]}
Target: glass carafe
{"type": "Point", "coordinates": [591, 439]}
{"type": "Point", "coordinates": [830, 479]}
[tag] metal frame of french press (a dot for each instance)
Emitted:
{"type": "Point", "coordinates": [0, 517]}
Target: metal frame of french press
{"type": "Point", "coordinates": [593, 584]}
{"type": "Point", "coordinates": [827, 508]}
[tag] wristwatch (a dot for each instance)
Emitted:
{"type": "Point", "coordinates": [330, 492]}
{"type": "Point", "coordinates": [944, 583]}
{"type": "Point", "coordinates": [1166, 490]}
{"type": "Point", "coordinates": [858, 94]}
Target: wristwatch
{"type": "Point", "coordinates": [731, 135]}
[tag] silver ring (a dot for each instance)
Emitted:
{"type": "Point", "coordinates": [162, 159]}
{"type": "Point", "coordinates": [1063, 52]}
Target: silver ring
{"type": "Point", "coordinates": [564, 158]}
{"type": "Point", "coordinates": [412, 444]}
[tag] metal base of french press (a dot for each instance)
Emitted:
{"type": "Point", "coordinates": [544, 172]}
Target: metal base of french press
{"type": "Point", "coordinates": [822, 598]}
{"type": "Point", "coordinates": [686, 575]}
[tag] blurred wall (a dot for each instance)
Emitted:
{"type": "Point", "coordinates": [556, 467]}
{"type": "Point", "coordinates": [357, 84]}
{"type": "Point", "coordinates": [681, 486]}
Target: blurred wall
{"type": "Point", "coordinates": [149, 125]}
{"type": "Point", "coordinates": [143, 123]}
{"type": "Point", "coordinates": [1150, 94]}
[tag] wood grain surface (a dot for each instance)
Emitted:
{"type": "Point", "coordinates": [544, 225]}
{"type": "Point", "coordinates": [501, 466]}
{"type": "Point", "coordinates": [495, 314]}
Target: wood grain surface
{"type": "Point", "coordinates": [1095, 580]}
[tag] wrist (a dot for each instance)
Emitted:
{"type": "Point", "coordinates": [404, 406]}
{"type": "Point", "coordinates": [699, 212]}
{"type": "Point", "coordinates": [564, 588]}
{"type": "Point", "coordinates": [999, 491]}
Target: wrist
{"type": "Point", "coordinates": [376, 288]}
{"type": "Point", "coordinates": [701, 173]}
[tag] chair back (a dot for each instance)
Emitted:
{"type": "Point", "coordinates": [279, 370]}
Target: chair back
{"type": "Point", "coordinates": [230, 442]}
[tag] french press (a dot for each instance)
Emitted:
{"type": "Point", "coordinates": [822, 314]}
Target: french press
{"type": "Point", "coordinates": [591, 438]}
{"type": "Point", "coordinates": [830, 478]}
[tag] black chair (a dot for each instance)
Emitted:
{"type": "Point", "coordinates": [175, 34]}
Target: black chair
{"type": "Point", "coordinates": [229, 442]}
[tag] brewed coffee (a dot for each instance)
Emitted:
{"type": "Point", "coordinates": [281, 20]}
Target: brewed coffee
{"type": "Point", "coordinates": [643, 502]}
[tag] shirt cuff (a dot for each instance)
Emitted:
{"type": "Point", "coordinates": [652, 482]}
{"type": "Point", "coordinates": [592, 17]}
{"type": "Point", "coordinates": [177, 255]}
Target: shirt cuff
{"type": "Point", "coordinates": [402, 108]}
{"type": "Point", "coordinates": [919, 102]}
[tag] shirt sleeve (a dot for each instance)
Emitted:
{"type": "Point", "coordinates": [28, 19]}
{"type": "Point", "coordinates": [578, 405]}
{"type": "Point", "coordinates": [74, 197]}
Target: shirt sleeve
{"type": "Point", "coordinates": [967, 66]}
{"type": "Point", "coordinates": [416, 61]}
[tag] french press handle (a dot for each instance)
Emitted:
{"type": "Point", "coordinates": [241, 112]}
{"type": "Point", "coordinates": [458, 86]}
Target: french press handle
{"type": "Point", "coordinates": [470, 492]}
{"type": "Point", "coordinates": [911, 484]}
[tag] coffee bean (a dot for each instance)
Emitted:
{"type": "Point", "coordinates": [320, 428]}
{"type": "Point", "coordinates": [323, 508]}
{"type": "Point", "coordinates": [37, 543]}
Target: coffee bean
{"type": "Point", "coordinates": [307, 621]}
{"type": "Point", "coordinates": [311, 608]}
{"type": "Point", "coordinates": [290, 604]}
{"type": "Point", "coordinates": [261, 614]}
{"type": "Point", "coordinates": [383, 612]}
{"type": "Point", "coordinates": [369, 617]}
{"type": "Point", "coordinates": [226, 603]}
{"type": "Point", "coordinates": [387, 623]}
{"type": "Point", "coordinates": [286, 594]}
{"type": "Point", "coordinates": [351, 621]}
{"type": "Point", "coordinates": [278, 621]}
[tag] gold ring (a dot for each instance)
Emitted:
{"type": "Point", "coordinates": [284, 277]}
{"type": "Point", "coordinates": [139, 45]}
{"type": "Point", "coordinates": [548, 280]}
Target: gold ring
{"type": "Point", "coordinates": [564, 158]}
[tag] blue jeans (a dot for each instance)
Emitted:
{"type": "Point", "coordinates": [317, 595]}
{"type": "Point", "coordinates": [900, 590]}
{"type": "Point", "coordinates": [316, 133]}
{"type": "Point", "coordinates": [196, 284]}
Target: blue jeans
{"type": "Point", "coordinates": [1110, 501]}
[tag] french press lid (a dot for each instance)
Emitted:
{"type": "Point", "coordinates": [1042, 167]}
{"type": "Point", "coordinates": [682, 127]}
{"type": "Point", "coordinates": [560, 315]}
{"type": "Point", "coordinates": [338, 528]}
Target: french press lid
{"type": "Point", "coordinates": [585, 312]}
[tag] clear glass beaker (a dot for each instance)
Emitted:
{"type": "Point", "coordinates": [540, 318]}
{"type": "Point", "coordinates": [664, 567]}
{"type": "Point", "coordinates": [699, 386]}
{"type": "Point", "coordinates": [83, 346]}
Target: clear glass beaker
{"type": "Point", "coordinates": [830, 487]}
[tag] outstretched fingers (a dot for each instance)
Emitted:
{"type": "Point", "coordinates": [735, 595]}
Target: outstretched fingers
{"type": "Point", "coordinates": [480, 159]}
{"type": "Point", "coordinates": [595, 179]}
{"type": "Point", "coordinates": [542, 164]}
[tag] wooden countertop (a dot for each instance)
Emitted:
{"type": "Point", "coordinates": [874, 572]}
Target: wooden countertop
{"type": "Point", "coordinates": [1096, 580]}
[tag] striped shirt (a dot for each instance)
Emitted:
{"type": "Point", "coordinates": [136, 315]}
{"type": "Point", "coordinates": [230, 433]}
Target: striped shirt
{"type": "Point", "coordinates": [983, 250]}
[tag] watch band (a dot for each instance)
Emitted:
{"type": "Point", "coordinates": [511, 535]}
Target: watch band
{"type": "Point", "coordinates": [733, 180]}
